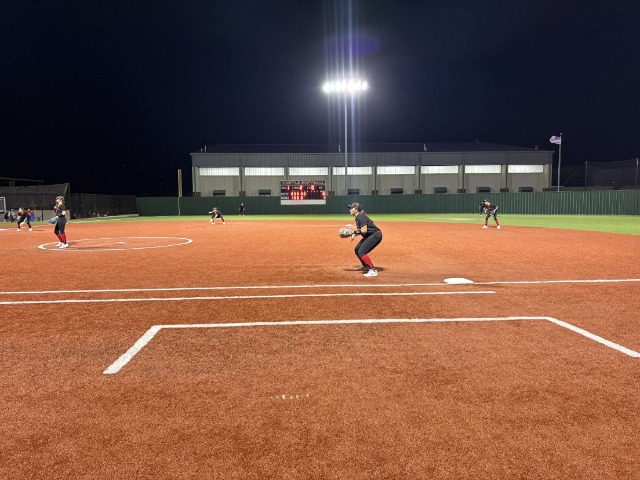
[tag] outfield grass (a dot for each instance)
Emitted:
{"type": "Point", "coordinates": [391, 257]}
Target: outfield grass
{"type": "Point", "coordinates": [623, 224]}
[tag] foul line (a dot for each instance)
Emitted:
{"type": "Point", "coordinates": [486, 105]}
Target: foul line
{"type": "Point", "coordinates": [116, 366]}
{"type": "Point", "coordinates": [330, 285]}
{"type": "Point", "coordinates": [239, 297]}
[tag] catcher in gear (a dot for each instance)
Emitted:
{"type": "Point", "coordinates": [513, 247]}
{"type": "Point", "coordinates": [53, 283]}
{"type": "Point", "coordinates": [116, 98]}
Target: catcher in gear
{"type": "Point", "coordinates": [490, 209]}
{"type": "Point", "coordinates": [371, 237]}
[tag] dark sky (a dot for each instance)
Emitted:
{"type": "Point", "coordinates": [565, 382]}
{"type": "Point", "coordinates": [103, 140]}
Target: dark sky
{"type": "Point", "coordinates": [112, 96]}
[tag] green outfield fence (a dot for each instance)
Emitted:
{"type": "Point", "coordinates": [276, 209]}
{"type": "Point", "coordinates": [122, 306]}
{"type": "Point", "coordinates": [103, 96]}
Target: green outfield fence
{"type": "Point", "coordinates": [607, 202]}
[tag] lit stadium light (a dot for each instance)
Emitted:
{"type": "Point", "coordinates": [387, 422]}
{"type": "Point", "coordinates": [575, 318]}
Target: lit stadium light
{"type": "Point", "coordinates": [352, 86]}
{"type": "Point", "coordinates": [347, 87]}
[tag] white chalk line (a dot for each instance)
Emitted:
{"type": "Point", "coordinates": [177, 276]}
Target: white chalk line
{"type": "Point", "coordinates": [238, 297]}
{"type": "Point", "coordinates": [116, 366]}
{"type": "Point", "coordinates": [105, 249]}
{"type": "Point", "coordinates": [335, 285]}
{"type": "Point", "coordinates": [124, 359]}
{"type": "Point", "coordinates": [451, 218]}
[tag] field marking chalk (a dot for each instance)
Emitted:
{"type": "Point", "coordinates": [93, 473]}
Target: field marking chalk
{"type": "Point", "coordinates": [320, 285]}
{"type": "Point", "coordinates": [116, 366]}
{"type": "Point", "coordinates": [241, 297]}
{"type": "Point", "coordinates": [135, 348]}
{"type": "Point", "coordinates": [73, 243]}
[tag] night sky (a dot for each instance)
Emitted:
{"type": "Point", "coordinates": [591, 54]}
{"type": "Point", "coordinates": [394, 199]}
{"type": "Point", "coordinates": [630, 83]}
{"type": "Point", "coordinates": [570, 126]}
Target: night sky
{"type": "Point", "coordinates": [112, 96]}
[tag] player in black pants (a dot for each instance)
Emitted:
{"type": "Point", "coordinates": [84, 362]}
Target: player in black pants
{"type": "Point", "coordinates": [371, 237]}
{"type": "Point", "coordinates": [215, 213]}
{"type": "Point", "coordinates": [61, 222]}
{"type": "Point", "coordinates": [24, 217]}
{"type": "Point", "coordinates": [490, 209]}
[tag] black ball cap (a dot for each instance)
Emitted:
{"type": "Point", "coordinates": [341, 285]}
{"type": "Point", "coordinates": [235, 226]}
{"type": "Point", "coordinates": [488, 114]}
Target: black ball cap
{"type": "Point", "coordinates": [355, 205]}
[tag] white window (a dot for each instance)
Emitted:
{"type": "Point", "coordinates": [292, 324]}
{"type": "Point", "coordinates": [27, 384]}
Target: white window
{"type": "Point", "coordinates": [317, 171]}
{"type": "Point", "coordinates": [353, 171]}
{"type": "Point", "coordinates": [526, 168]}
{"type": "Point", "coordinates": [264, 171]}
{"type": "Point", "coordinates": [482, 169]}
{"type": "Point", "coordinates": [397, 170]}
{"type": "Point", "coordinates": [438, 169]}
{"type": "Point", "coordinates": [219, 172]}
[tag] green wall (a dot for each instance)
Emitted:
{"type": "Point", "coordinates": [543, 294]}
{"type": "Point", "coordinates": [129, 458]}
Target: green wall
{"type": "Point", "coordinates": [606, 202]}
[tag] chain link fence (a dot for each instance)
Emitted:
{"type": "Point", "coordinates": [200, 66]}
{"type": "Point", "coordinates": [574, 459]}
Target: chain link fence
{"type": "Point", "coordinates": [41, 199]}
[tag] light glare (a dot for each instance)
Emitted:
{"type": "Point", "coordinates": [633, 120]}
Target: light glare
{"type": "Point", "coordinates": [351, 86]}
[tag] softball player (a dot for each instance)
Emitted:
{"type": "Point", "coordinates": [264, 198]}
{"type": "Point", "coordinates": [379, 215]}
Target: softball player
{"type": "Point", "coordinates": [61, 222]}
{"type": "Point", "coordinates": [216, 214]}
{"type": "Point", "coordinates": [490, 209]}
{"type": "Point", "coordinates": [24, 217]}
{"type": "Point", "coordinates": [371, 237]}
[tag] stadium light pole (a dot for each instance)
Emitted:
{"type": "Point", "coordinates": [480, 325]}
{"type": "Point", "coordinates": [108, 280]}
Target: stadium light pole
{"type": "Point", "coordinates": [348, 88]}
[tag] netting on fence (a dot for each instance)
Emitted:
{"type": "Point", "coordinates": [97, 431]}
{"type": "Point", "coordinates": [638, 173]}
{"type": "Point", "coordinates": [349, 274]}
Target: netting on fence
{"type": "Point", "coordinates": [88, 205]}
{"type": "Point", "coordinates": [42, 198]}
{"type": "Point", "coordinates": [617, 174]}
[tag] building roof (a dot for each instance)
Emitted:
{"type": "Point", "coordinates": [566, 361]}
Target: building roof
{"type": "Point", "coordinates": [363, 148]}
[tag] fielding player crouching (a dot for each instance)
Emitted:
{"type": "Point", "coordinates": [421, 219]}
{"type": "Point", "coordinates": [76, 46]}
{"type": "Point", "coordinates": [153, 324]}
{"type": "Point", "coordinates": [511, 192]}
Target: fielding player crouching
{"type": "Point", "coordinates": [24, 217]}
{"type": "Point", "coordinates": [491, 210]}
{"type": "Point", "coordinates": [371, 237]}
{"type": "Point", "coordinates": [215, 213]}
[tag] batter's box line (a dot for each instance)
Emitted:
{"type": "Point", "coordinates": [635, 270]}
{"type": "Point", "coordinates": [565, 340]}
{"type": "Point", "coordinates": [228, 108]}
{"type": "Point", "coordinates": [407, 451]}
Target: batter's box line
{"type": "Point", "coordinates": [116, 366]}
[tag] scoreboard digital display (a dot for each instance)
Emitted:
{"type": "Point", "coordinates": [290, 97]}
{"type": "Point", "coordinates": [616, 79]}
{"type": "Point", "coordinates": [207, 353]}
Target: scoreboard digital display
{"type": "Point", "coordinates": [303, 192]}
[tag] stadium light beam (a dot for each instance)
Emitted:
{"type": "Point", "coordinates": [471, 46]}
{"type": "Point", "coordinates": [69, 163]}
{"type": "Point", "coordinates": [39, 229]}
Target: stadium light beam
{"type": "Point", "coordinates": [347, 88]}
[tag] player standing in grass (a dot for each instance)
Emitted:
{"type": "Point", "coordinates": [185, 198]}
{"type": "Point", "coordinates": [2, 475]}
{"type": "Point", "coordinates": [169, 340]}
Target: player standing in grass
{"type": "Point", "coordinates": [371, 237]}
{"type": "Point", "coordinates": [61, 222]}
{"type": "Point", "coordinates": [215, 213]}
{"type": "Point", "coordinates": [24, 217]}
{"type": "Point", "coordinates": [490, 209]}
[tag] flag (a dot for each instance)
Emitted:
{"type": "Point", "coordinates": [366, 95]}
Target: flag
{"type": "Point", "coordinates": [556, 140]}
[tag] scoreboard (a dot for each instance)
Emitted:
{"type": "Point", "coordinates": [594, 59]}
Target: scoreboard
{"type": "Point", "coordinates": [303, 192]}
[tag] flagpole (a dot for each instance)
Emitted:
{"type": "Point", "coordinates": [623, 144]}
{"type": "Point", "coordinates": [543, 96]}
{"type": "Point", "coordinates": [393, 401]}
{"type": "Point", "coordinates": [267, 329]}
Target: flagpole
{"type": "Point", "coordinates": [559, 160]}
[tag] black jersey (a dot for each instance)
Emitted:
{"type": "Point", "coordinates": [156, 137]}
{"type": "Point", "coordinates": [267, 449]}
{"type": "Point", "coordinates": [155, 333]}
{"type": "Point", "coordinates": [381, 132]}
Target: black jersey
{"type": "Point", "coordinates": [362, 220]}
{"type": "Point", "coordinates": [59, 209]}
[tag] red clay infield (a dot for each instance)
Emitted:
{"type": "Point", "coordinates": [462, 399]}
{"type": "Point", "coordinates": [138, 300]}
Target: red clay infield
{"type": "Point", "coordinates": [282, 361]}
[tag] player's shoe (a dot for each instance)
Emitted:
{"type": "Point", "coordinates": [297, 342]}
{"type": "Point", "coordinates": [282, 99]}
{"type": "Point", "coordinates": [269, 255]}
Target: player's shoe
{"type": "Point", "coordinates": [498, 227]}
{"type": "Point", "coordinates": [18, 228]}
{"type": "Point", "coordinates": [64, 245]}
{"type": "Point", "coordinates": [371, 273]}
{"type": "Point", "coordinates": [30, 229]}
{"type": "Point", "coordinates": [485, 226]}
{"type": "Point", "coordinates": [224, 223]}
